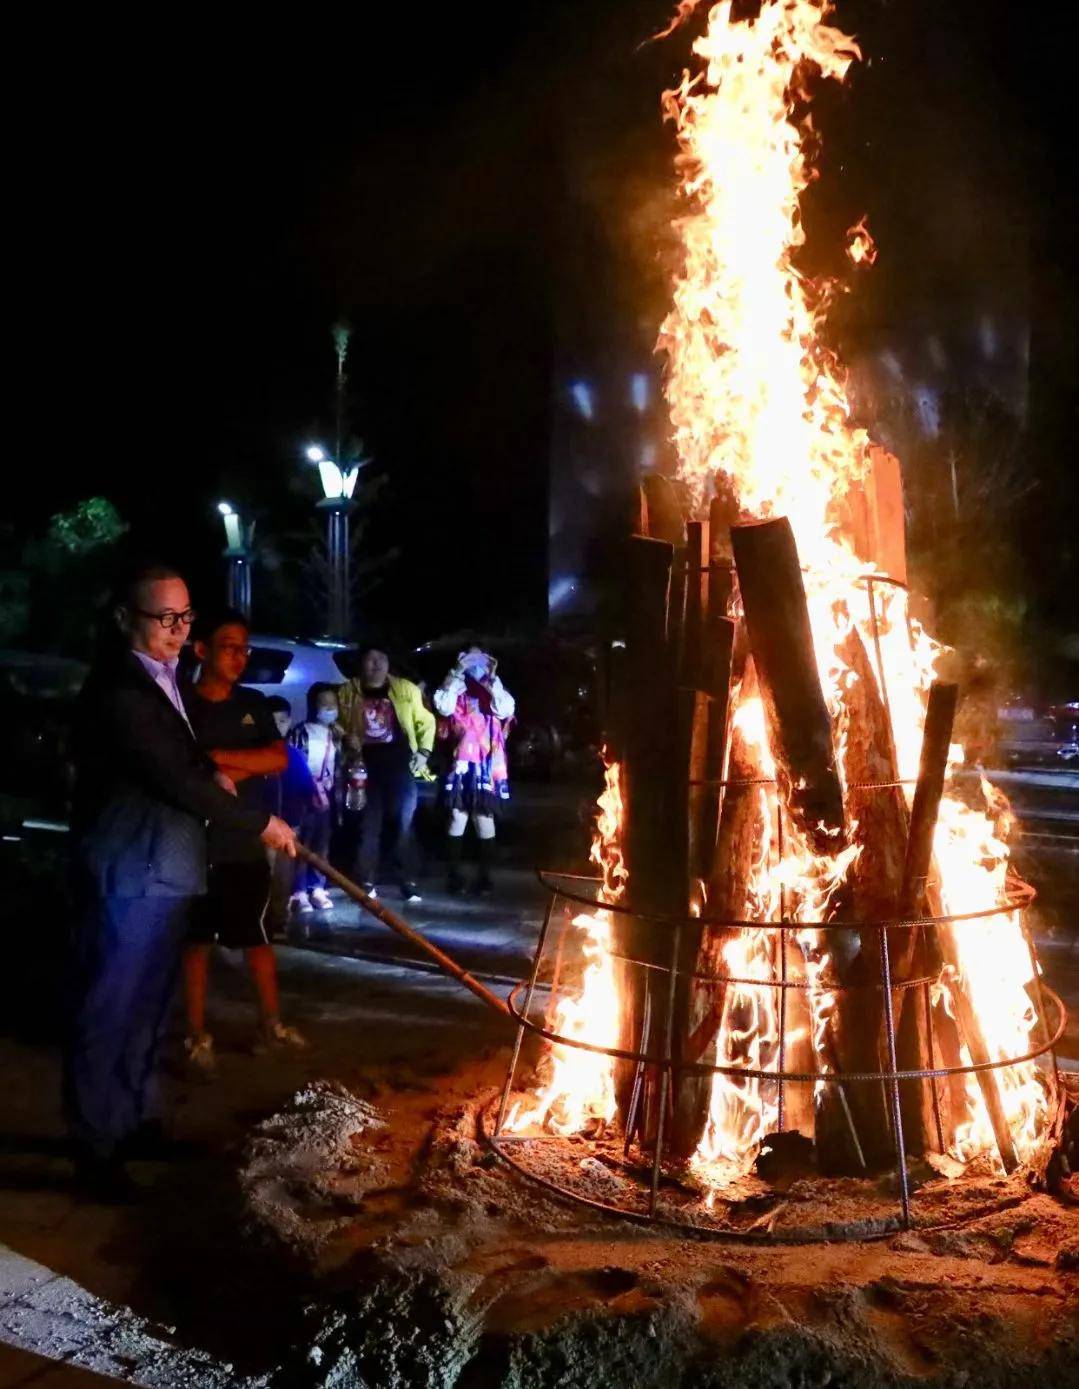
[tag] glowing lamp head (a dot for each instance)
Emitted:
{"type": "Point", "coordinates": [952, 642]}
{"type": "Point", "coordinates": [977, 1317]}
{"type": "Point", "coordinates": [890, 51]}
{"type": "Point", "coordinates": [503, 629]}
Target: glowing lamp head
{"type": "Point", "coordinates": [332, 481]}
{"type": "Point", "coordinates": [225, 508]}
{"type": "Point", "coordinates": [315, 454]}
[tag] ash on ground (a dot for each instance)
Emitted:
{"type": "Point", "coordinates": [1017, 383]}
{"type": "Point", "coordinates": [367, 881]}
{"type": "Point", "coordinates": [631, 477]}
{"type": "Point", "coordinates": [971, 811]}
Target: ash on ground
{"type": "Point", "coordinates": [423, 1260]}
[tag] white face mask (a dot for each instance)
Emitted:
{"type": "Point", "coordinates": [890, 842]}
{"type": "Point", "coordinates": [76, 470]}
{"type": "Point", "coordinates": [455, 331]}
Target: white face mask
{"type": "Point", "coordinates": [326, 716]}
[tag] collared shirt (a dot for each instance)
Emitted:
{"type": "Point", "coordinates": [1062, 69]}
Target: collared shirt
{"type": "Point", "coordinates": [163, 674]}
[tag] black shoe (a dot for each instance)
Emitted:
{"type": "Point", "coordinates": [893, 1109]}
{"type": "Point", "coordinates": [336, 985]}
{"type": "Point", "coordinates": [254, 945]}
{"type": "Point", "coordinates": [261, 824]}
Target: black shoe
{"type": "Point", "coordinates": [370, 889]}
{"type": "Point", "coordinates": [105, 1181]}
{"type": "Point", "coordinates": [483, 886]}
{"type": "Point", "coordinates": [455, 883]}
{"type": "Point", "coordinates": [411, 893]}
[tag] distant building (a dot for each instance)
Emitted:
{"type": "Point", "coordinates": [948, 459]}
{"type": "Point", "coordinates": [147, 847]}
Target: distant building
{"type": "Point", "coordinates": [608, 427]}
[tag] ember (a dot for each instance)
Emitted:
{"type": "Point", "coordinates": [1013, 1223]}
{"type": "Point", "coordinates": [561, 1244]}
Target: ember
{"type": "Point", "coordinates": [802, 925]}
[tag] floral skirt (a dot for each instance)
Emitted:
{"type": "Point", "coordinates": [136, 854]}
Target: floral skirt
{"type": "Point", "coordinates": [470, 787]}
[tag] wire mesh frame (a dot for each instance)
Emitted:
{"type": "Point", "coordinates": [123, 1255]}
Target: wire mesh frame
{"type": "Point", "coordinates": [889, 1078]}
{"type": "Point", "coordinates": [644, 1057]}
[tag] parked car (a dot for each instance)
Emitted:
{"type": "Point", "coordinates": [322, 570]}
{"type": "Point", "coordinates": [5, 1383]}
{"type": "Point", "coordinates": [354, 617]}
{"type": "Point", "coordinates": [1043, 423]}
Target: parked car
{"type": "Point", "coordinates": [37, 695]}
{"type": "Point", "coordinates": [1034, 734]}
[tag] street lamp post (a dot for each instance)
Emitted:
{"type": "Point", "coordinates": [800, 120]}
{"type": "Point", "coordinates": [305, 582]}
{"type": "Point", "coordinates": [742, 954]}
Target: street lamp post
{"type": "Point", "coordinates": [239, 542]}
{"type": "Point", "coordinates": [338, 486]}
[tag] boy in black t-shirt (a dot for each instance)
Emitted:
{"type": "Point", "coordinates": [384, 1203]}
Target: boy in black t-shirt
{"type": "Point", "coordinates": [235, 727]}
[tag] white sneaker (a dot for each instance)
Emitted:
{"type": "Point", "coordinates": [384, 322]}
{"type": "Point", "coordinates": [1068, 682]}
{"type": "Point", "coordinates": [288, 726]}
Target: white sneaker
{"type": "Point", "coordinates": [299, 902]}
{"type": "Point", "coordinates": [199, 1050]}
{"type": "Point", "coordinates": [321, 900]}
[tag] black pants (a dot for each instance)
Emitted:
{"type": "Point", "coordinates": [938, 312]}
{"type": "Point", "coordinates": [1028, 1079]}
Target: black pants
{"type": "Point", "coordinates": [127, 955]}
{"type": "Point", "coordinates": [391, 804]}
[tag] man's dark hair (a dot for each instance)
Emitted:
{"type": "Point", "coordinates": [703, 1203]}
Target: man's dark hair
{"type": "Point", "coordinates": [132, 579]}
{"type": "Point", "coordinates": [279, 704]}
{"type": "Point", "coordinates": [318, 688]}
{"type": "Point", "coordinates": [207, 624]}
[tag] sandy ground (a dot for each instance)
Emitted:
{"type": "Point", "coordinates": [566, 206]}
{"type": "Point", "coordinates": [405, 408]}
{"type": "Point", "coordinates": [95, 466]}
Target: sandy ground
{"type": "Point", "coordinates": [177, 1272]}
{"type": "Point", "coordinates": [423, 1263]}
{"type": "Point", "coordinates": [367, 1007]}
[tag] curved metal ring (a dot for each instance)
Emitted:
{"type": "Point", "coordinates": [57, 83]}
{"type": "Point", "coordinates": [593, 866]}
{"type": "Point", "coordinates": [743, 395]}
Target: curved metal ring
{"type": "Point", "coordinates": [748, 1073]}
{"type": "Point", "coordinates": [1017, 902]}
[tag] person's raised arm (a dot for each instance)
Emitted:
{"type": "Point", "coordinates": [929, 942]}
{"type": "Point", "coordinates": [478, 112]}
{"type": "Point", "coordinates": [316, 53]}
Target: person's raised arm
{"type": "Point", "coordinates": [241, 763]}
{"type": "Point", "coordinates": [503, 703]}
{"type": "Point", "coordinates": [177, 780]}
{"type": "Point", "coordinates": [449, 692]}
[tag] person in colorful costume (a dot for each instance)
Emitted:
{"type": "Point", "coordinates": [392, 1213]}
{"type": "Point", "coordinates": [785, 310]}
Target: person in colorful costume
{"type": "Point", "coordinates": [477, 711]}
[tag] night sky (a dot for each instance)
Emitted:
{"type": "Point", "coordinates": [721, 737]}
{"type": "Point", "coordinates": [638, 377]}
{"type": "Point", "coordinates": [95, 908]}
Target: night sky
{"type": "Point", "coordinates": [481, 191]}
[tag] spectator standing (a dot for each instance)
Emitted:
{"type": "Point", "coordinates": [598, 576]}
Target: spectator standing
{"type": "Point", "coordinates": [235, 727]}
{"type": "Point", "coordinates": [315, 741]}
{"type": "Point", "coordinates": [385, 723]}
{"type": "Point", "coordinates": [288, 794]}
{"type": "Point", "coordinates": [477, 709]}
{"type": "Point", "coordinates": [143, 794]}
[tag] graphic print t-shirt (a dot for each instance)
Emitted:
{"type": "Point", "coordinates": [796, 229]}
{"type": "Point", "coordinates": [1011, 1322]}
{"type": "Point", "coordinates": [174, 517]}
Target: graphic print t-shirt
{"type": "Point", "coordinates": [385, 746]}
{"type": "Point", "coordinates": [243, 721]}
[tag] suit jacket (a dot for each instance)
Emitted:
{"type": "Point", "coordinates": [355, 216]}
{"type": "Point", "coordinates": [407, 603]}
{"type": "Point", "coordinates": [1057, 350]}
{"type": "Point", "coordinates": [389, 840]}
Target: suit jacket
{"type": "Point", "coordinates": [143, 790]}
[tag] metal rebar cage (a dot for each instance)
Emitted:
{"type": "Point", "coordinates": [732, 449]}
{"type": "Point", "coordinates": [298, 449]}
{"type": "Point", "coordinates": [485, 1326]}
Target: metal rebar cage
{"type": "Point", "coordinates": [651, 1190]}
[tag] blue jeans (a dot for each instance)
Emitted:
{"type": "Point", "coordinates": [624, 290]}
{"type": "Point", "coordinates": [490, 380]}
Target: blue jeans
{"type": "Point", "coordinates": [127, 956]}
{"type": "Point", "coordinates": [313, 832]}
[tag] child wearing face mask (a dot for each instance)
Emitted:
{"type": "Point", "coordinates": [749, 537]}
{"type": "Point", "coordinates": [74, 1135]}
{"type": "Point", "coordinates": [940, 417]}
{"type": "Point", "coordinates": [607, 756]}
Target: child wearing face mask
{"type": "Point", "coordinates": [316, 743]}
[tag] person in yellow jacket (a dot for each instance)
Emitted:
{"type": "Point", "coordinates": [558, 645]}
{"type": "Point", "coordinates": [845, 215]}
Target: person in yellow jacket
{"type": "Point", "coordinates": [384, 722]}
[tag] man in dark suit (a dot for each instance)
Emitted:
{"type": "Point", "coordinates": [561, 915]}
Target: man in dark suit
{"type": "Point", "coordinates": [143, 796]}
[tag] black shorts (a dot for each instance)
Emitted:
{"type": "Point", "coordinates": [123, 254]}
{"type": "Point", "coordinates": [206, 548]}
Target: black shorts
{"type": "Point", "coordinates": [234, 909]}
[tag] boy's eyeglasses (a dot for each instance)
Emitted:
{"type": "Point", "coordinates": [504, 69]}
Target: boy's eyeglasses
{"type": "Point", "coordinates": [169, 620]}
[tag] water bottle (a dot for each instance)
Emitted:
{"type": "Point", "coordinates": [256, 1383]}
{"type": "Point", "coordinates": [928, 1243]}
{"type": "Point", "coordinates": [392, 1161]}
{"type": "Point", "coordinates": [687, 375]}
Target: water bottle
{"type": "Point", "coordinates": [356, 789]}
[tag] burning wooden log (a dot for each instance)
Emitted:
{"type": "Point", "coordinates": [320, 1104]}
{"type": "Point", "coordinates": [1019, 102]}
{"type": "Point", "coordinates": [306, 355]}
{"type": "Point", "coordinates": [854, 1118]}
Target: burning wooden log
{"type": "Point", "coordinates": [873, 518]}
{"type": "Point", "coordinates": [800, 730]}
{"type": "Point", "coordinates": [877, 815]}
{"type": "Point", "coordinates": [800, 737]}
{"type": "Point", "coordinates": [927, 1035]}
{"type": "Point", "coordinates": [650, 792]}
{"type": "Point", "coordinates": [663, 518]}
{"type": "Point", "coordinates": [936, 740]}
{"type": "Point", "coordinates": [728, 871]}
{"type": "Point", "coordinates": [692, 654]}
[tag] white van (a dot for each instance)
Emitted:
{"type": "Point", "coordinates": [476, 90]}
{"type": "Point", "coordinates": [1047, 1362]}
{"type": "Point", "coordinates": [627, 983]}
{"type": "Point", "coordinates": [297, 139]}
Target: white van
{"type": "Point", "coordinates": [279, 666]}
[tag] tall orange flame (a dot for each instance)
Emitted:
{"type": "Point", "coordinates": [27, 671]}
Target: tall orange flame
{"type": "Point", "coordinates": [759, 410]}
{"type": "Point", "coordinates": [758, 407]}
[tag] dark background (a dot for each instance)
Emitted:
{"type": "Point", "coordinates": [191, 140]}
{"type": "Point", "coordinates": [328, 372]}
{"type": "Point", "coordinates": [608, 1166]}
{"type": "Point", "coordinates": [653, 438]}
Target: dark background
{"type": "Point", "coordinates": [483, 192]}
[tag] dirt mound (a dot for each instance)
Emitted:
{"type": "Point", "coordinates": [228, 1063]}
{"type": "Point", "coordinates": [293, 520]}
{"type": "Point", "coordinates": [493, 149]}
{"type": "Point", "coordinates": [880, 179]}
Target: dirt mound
{"type": "Point", "coordinates": [425, 1264]}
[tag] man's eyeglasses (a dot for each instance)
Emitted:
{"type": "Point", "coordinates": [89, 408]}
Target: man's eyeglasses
{"type": "Point", "coordinates": [169, 620]}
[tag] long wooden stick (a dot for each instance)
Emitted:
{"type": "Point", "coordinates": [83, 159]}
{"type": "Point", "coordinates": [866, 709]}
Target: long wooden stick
{"type": "Point", "coordinates": [390, 918]}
